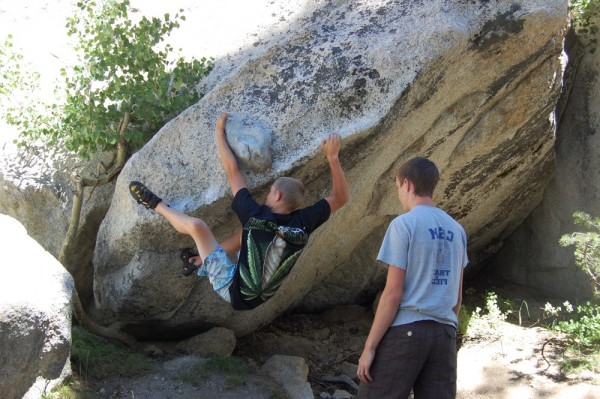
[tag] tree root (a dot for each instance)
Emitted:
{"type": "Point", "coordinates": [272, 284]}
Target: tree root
{"type": "Point", "coordinates": [80, 183]}
{"type": "Point", "coordinates": [106, 332]}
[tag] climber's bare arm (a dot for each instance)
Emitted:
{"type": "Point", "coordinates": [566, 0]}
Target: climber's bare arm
{"type": "Point", "coordinates": [339, 191]}
{"type": "Point", "coordinates": [235, 178]}
{"type": "Point", "coordinates": [233, 243]}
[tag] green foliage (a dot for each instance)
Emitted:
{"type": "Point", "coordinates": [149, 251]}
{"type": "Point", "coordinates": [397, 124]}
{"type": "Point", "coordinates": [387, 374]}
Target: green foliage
{"type": "Point", "coordinates": [581, 324]}
{"type": "Point", "coordinates": [227, 364]}
{"type": "Point", "coordinates": [585, 327]}
{"type": "Point", "coordinates": [494, 313]}
{"type": "Point", "coordinates": [10, 67]}
{"type": "Point", "coordinates": [19, 85]}
{"type": "Point", "coordinates": [515, 311]}
{"type": "Point", "coordinates": [98, 358]}
{"type": "Point", "coordinates": [123, 68]}
{"type": "Point", "coordinates": [70, 389]}
{"type": "Point", "coordinates": [575, 361]}
{"type": "Point", "coordinates": [587, 246]}
{"type": "Point", "coordinates": [583, 13]}
{"type": "Point", "coordinates": [481, 322]}
{"type": "Point", "coordinates": [464, 319]}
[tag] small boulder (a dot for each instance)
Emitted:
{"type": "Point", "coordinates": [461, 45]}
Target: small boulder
{"type": "Point", "coordinates": [250, 140]}
{"type": "Point", "coordinates": [35, 315]}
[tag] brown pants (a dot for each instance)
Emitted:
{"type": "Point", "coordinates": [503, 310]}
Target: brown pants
{"type": "Point", "coordinates": [419, 356]}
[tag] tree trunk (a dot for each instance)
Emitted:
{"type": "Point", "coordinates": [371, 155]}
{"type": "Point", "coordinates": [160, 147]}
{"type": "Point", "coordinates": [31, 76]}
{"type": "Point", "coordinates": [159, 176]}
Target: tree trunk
{"type": "Point", "coordinates": [80, 184]}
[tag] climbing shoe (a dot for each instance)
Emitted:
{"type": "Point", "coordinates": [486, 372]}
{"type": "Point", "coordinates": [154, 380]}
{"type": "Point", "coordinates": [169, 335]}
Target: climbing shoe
{"type": "Point", "coordinates": [188, 268]}
{"type": "Point", "coordinates": [143, 195]}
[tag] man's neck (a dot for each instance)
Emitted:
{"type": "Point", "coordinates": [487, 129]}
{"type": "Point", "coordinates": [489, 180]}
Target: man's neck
{"type": "Point", "coordinates": [415, 200]}
{"type": "Point", "coordinates": [281, 210]}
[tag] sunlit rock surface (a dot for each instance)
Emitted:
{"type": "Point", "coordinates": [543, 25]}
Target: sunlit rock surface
{"type": "Point", "coordinates": [472, 85]}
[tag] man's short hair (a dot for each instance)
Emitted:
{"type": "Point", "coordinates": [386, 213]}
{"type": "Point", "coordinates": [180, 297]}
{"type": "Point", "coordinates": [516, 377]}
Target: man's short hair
{"type": "Point", "coordinates": [292, 191]}
{"type": "Point", "coordinates": [423, 174]}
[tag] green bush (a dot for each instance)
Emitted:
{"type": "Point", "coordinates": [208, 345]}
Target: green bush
{"type": "Point", "coordinates": [581, 326]}
{"type": "Point", "coordinates": [587, 246]}
{"type": "Point", "coordinates": [584, 325]}
{"type": "Point", "coordinates": [580, 323]}
{"type": "Point", "coordinates": [124, 87]}
{"type": "Point", "coordinates": [582, 14]}
{"type": "Point", "coordinates": [482, 322]}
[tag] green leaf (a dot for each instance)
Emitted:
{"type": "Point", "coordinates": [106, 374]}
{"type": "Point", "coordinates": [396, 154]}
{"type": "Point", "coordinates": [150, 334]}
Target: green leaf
{"type": "Point", "coordinates": [119, 69]}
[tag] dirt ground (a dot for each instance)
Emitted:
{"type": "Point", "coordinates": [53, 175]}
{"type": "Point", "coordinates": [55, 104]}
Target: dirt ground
{"type": "Point", "coordinates": [503, 361]}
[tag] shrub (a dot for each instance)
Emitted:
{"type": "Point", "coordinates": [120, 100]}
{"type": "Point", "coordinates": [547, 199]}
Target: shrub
{"type": "Point", "coordinates": [587, 246]}
{"type": "Point", "coordinates": [124, 87]}
{"type": "Point", "coordinates": [482, 322]}
{"type": "Point", "coordinates": [583, 13]}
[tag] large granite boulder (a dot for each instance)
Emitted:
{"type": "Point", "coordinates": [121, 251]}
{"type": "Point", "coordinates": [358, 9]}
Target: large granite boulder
{"type": "Point", "coordinates": [548, 267]}
{"type": "Point", "coordinates": [472, 85]}
{"type": "Point", "coordinates": [38, 192]}
{"type": "Point", "coordinates": [35, 315]}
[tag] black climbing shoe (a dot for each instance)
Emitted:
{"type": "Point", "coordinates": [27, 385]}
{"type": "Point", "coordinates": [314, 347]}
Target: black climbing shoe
{"type": "Point", "coordinates": [143, 195]}
{"type": "Point", "coordinates": [188, 268]}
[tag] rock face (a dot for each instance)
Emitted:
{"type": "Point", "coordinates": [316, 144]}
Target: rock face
{"type": "Point", "coordinates": [36, 191]}
{"type": "Point", "coordinates": [575, 187]}
{"type": "Point", "coordinates": [472, 85]}
{"type": "Point", "coordinates": [35, 316]}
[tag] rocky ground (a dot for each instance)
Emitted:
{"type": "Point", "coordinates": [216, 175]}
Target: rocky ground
{"type": "Point", "coordinates": [500, 361]}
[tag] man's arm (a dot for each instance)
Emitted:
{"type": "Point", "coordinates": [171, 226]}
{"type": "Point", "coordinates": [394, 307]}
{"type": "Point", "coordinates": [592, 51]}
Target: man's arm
{"type": "Point", "coordinates": [233, 243]}
{"type": "Point", "coordinates": [456, 308]}
{"type": "Point", "coordinates": [235, 178]}
{"type": "Point", "coordinates": [339, 191]}
{"type": "Point", "coordinates": [385, 314]}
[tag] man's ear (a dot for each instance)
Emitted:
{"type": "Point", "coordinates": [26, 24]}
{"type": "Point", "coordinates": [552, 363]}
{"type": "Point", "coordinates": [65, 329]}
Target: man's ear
{"type": "Point", "coordinates": [278, 195]}
{"type": "Point", "coordinates": [410, 187]}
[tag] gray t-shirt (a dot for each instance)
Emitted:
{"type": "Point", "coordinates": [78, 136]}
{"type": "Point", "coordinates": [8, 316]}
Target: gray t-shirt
{"type": "Point", "coordinates": [432, 248]}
